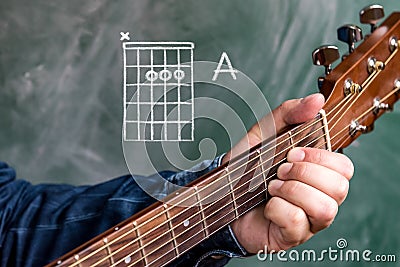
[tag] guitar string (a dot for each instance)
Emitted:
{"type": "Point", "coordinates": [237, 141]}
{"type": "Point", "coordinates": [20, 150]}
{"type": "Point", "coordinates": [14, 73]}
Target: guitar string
{"type": "Point", "coordinates": [256, 186]}
{"type": "Point", "coordinates": [388, 60]}
{"type": "Point", "coordinates": [211, 214]}
{"type": "Point", "coordinates": [358, 95]}
{"type": "Point", "coordinates": [220, 178]}
{"type": "Point", "coordinates": [169, 219]}
{"type": "Point", "coordinates": [196, 204]}
{"type": "Point", "coordinates": [233, 200]}
{"type": "Point", "coordinates": [217, 210]}
{"type": "Point", "coordinates": [256, 176]}
{"type": "Point", "coordinates": [219, 228]}
{"type": "Point", "coordinates": [228, 204]}
{"type": "Point", "coordinates": [214, 192]}
{"type": "Point", "coordinates": [365, 85]}
{"type": "Point", "coordinates": [394, 91]}
{"type": "Point", "coordinates": [369, 80]}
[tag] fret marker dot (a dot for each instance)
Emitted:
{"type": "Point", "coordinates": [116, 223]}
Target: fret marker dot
{"type": "Point", "coordinates": [186, 223]}
{"type": "Point", "coordinates": [128, 259]}
{"type": "Point", "coordinates": [59, 262]}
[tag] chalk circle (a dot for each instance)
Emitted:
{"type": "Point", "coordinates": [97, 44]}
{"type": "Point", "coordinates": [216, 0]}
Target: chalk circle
{"type": "Point", "coordinates": [179, 74]}
{"type": "Point", "coordinates": [151, 75]}
{"type": "Point", "coordinates": [165, 75]}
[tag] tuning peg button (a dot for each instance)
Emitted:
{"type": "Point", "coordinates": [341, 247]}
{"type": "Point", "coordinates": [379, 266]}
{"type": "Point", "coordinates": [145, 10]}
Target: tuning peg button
{"type": "Point", "coordinates": [350, 34]}
{"type": "Point", "coordinates": [378, 106]}
{"type": "Point", "coordinates": [397, 84]}
{"type": "Point", "coordinates": [325, 56]}
{"type": "Point", "coordinates": [355, 127]}
{"type": "Point", "coordinates": [371, 15]}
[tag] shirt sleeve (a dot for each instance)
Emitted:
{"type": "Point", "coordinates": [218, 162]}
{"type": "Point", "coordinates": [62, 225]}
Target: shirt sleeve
{"type": "Point", "coordinates": [39, 223]}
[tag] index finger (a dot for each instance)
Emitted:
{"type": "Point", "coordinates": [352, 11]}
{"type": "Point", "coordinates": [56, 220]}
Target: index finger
{"type": "Point", "coordinates": [334, 161]}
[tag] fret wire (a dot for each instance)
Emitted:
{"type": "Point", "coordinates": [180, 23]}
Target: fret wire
{"type": "Point", "coordinates": [241, 204]}
{"type": "Point", "coordinates": [306, 136]}
{"type": "Point", "coordinates": [172, 230]}
{"type": "Point", "coordinates": [255, 195]}
{"type": "Point", "coordinates": [201, 211]}
{"type": "Point", "coordinates": [78, 260]}
{"type": "Point", "coordinates": [239, 196]}
{"type": "Point", "coordinates": [263, 172]}
{"type": "Point", "coordinates": [232, 193]}
{"type": "Point", "coordinates": [105, 241]}
{"type": "Point", "coordinates": [195, 203]}
{"type": "Point", "coordinates": [139, 239]}
{"type": "Point", "coordinates": [291, 138]}
{"type": "Point", "coordinates": [331, 112]}
{"type": "Point", "coordinates": [205, 226]}
{"type": "Point", "coordinates": [344, 129]}
{"type": "Point", "coordinates": [202, 239]}
{"type": "Point", "coordinates": [297, 127]}
{"type": "Point", "coordinates": [215, 221]}
{"type": "Point", "coordinates": [188, 197]}
{"type": "Point", "coordinates": [318, 147]}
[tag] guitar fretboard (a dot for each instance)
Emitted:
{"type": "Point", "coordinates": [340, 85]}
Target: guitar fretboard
{"type": "Point", "coordinates": [166, 230]}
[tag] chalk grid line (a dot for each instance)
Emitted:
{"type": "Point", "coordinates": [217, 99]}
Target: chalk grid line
{"type": "Point", "coordinates": [138, 127]}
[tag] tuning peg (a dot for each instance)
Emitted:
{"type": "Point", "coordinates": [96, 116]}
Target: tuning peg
{"type": "Point", "coordinates": [378, 106]}
{"type": "Point", "coordinates": [371, 15]}
{"type": "Point", "coordinates": [355, 127]}
{"type": "Point", "coordinates": [325, 56]}
{"type": "Point", "coordinates": [350, 34]}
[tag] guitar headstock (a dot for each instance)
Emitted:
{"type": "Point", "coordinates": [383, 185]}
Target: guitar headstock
{"type": "Point", "coordinates": [365, 84]}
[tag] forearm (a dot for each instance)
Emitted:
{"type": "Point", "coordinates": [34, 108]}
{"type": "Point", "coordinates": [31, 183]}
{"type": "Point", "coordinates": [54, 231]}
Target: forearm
{"type": "Point", "coordinates": [40, 223]}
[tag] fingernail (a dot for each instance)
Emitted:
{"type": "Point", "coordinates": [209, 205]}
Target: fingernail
{"type": "Point", "coordinates": [305, 99]}
{"type": "Point", "coordinates": [274, 185]}
{"type": "Point", "coordinates": [284, 169]}
{"type": "Point", "coordinates": [296, 154]}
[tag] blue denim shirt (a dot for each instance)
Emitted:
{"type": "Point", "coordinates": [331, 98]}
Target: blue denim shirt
{"type": "Point", "coordinates": [39, 223]}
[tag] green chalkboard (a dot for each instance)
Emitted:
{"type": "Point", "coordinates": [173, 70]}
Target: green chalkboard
{"type": "Point", "coordinates": [61, 90]}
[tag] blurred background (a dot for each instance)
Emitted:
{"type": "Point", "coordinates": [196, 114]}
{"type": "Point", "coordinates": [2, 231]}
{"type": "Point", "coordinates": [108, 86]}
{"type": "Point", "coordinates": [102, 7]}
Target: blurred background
{"type": "Point", "coordinates": [61, 92]}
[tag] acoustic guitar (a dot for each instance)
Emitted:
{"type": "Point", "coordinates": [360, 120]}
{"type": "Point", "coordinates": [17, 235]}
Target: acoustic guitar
{"type": "Point", "coordinates": [358, 91]}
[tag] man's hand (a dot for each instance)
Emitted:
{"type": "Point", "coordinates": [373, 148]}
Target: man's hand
{"type": "Point", "coordinates": [306, 196]}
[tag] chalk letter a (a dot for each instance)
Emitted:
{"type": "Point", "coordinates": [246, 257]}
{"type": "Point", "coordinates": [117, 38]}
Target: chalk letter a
{"type": "Point", "coordinates": [230, 69]}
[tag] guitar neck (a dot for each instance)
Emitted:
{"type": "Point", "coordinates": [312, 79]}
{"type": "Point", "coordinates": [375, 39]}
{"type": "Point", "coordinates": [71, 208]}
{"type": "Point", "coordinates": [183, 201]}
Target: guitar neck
{"type": "Point", "coordinates": [166, 230]}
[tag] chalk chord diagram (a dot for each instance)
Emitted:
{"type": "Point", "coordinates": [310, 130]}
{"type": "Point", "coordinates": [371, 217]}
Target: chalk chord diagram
{"type": "Point", "coordinates": [158, 91]}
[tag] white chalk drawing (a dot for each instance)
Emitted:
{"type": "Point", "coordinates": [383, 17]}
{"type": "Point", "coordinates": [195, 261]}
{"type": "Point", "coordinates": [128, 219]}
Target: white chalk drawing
{"type": "Point", "coordinates": [219, 69]}
{"type": "Point", "coordinates": [158, 91]}
{"type": "Point", "coordinates": [124, 36]}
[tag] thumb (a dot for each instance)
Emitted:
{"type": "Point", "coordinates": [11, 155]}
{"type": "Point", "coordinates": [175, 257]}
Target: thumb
{"type": "Point", "coordinates": [297, 111]}
{"type": "Point", "coordinates": [289, 112]}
